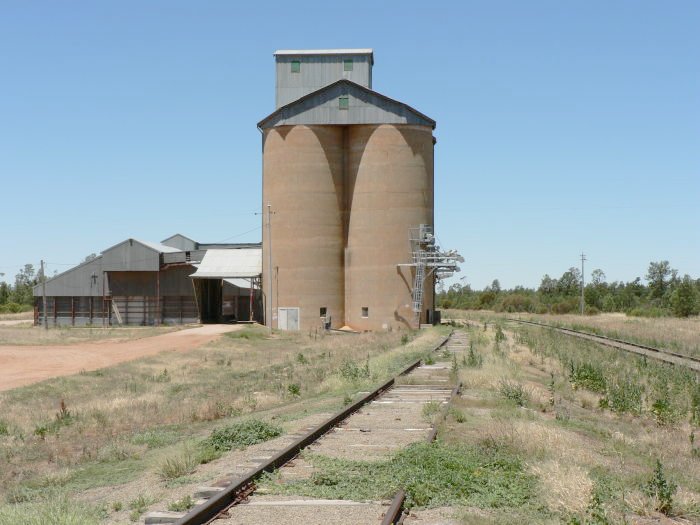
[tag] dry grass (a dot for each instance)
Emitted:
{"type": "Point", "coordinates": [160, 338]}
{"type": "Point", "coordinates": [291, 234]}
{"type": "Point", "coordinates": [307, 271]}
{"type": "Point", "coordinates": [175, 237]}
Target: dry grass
{"type": "Point", "coordinates": [124, 415]}
{"type": "Point", "coordinates": [21, 316]}
{"type": "Point", "coordinates": [575, 449]}
{"type": "Point", "coordinates": [29, 335]}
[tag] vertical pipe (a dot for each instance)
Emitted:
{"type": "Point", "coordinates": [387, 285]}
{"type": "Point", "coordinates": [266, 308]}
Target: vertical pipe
{"type": "Point", "coordinates": [269, 254]}
{"type": "Point", "coordinates": [158, 311]}
{"type": "Point", "coordinates": [43, 294]}
{"type": "Point", "coordinates": [72, 310]}
{"type": "Point", "coordinates": [250, 311]}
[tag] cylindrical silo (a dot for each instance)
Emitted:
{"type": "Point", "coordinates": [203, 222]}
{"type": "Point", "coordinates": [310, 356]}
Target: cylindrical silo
{"type": "Point", "coordinates": [390, 190]}
{"type": "Point", "coordinates": [303, 183]}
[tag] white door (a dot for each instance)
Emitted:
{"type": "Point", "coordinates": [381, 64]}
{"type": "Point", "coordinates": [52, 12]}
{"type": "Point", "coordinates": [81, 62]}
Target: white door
{"type": "Point", "coordinates": [288, 318]}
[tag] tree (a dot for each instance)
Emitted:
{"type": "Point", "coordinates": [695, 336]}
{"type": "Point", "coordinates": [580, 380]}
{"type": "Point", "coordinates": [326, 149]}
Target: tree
{"type": "Point", "coordinates": [598, 278]}
{"type": "Point", "coordinates": [24, 282]}
{"type": "Point", "coordinates": [570, 282]}
{"type": "Point", "coordinates": [658, 275]}
{"type": "Point", "coordinates": [495, 286]}
{"type": "Point", "coordinates": [548, 286]}
{"type": "Point", "coordinates": [684, 299]}
{"type": "Point", "coordinates": [90, 257]}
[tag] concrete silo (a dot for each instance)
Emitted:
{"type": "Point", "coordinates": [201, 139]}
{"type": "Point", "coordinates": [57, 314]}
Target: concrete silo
{"type": "Point", "coordinates": [303, 182]}
{"type": "Point", "coordinates": [390, 188]}
{"type": "Point", "coordinates": [347, 173]}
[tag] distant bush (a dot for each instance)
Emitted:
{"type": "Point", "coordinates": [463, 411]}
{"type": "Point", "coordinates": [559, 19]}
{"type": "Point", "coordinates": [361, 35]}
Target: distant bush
{"type": "Point", "coordinates": [14, 308]}
{"type": "Point", "coordinates": [516, 303]}
{"type": "Point", "coordinates": [649, 311]}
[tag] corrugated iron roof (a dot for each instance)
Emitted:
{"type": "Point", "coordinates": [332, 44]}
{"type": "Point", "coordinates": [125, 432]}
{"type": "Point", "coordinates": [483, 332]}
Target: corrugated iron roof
{"type": "Point", "coordinates": [227, 264]}
{"type": "Point", "coordinates": [350, 84]}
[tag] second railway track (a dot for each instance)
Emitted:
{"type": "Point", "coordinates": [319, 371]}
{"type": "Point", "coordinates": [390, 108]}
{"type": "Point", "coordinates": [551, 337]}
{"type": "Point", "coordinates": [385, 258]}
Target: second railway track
{"type": "Point", "coordinates": [378, 425]}
{"type": "Point", "coordinates": [648, 351]}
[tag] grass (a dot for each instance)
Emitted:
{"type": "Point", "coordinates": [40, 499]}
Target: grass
{"type": "Point", "coordinates": [433, 475]}
{"type": "Point", "coordinates": [56, 509]}
{"type": "Point", "coordinates": [596, 427]}
{"type": "Point", "coordinates": [125, 422]}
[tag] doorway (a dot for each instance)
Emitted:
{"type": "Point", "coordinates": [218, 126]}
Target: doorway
{"type": "Point", "coordinates": [210, 300]}
{"type": "Point", "coordinates": [288, 318]}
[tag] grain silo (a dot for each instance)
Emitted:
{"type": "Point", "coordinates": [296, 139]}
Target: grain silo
{"type": "Point", "coordinates": [347, 175]}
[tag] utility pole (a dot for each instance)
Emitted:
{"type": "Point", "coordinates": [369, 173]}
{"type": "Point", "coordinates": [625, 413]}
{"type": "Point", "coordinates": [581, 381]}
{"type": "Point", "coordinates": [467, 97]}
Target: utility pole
{"type": "Point", "coordinates": [43, 295]}
{"type": "Point", "coordinates": [583, 300]}
{"type": "Point", "coordinates": [269, 260]}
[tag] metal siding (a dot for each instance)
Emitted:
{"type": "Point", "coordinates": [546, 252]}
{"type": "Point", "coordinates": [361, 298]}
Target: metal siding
{"type": "Point", "coordinates": [180, 242]}
{"type": "Point", "coordinates": [316, 73]}
{"type": "Point", "coordinates": [365, 108]}
{"type": "Point", "coordinates": [76, 282]}
{"type": "Point", "coordinates": [131, 256]}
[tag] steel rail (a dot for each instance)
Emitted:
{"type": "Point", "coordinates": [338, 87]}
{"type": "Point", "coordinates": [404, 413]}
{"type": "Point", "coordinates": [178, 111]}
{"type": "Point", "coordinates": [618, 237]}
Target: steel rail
{"type": "Point", "coordinates": [239, 488]}
{"type": "Point", "coordinates": [394, 514]}
{"type": "Point", "coordinates": [657, 353]}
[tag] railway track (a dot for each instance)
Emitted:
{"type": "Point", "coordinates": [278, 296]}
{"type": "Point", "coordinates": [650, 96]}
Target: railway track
{"type": "Point", "coordinates": [648, 351]}
{"type": "Point", "coordinates": [377, 425]}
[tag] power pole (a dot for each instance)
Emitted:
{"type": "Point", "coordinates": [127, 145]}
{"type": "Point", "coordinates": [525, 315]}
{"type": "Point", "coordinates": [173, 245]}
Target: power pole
{"type": "Point", "coordinates": [43, 295]}
{"type": "Point", "coordinates": [583, 300]}
{"type": "Point", "coordinates": [269, 259]}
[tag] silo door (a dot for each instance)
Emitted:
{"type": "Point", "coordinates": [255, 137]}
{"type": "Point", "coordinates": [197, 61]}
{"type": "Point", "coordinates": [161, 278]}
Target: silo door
{"type": "Point", "coordinates": [288, 318]}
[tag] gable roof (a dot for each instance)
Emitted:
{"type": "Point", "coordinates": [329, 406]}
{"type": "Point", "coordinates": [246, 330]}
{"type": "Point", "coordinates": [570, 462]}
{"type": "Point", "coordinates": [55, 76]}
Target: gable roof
{"type": "Point", "coordinates": [179, 235]}
{"type": "Point", "coordinates": [155, 246]}
{"type": "Point", "coordinates": [365, 106]}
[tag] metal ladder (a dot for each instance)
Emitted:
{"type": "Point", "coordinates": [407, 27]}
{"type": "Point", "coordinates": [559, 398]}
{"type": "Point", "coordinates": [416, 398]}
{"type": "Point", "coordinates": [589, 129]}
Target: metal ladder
{"type": "Point", "coordinates": [418, 283]}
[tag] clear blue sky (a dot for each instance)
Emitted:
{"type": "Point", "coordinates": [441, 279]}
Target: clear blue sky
{"type": "Point", "coordinates": [562, 126]}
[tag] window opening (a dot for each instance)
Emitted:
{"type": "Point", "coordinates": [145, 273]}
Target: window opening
{"type": "Point", "coordinates": [365, 311]}
{"type": "Point", "coordinates": [343, 103]}
{"type": "Point", "coordinates": [347, 64]}
{"type": "Point", "coordinates": [296, 66]}
{"type": "Point", "coordinates": [323, 311]}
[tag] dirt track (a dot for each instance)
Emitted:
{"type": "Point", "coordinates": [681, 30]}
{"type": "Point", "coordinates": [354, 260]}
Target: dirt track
{"type": "Point", "coordinates": [23, 365]}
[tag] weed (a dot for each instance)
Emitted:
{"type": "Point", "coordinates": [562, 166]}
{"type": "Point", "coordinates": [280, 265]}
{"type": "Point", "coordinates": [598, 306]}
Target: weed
{"type": "Point", "coordinates": [301, 359]}
{"type": "Point", "coordinates": [661, 489]}
{"type": "Point", "coordinates": [351, 371]}
{"type": "Point", "coordinates": [178, 465]}
{"type": "Point", "coordinates": [457, 415]}
{"type": "Point", "coordinates": [4, 428]}
{"type": "Point", "coordinates": [433, 475]}
{"type": "Point", "coordinates": [243, 434]}
{"type": "Point", "coordinates": [429, 360]}
{"type": "Point", "coordinates": [182, 505]}
{"type": "Point", "coordinates": [163, 377]}
{"type": "Point", "coordinates": [474, 359]}
{"type": "Point", "coordinates": [430, 410]}
{"type": "Point", "coordinates": [405, 339]}
{"type": "Point", "coordinates": [455, 364]}
{"type": "Point", "coordinates": [139, 505]}
{"type": "Point", "coordinates": [117, 506]}
{"type": "Point", "coordinates": [513, 392]}
{"type": "Point", "coordinates": [588, 376]}
{"type": "Point", "coordinates": [500, 336]}
{"type": "Point", "coordinates": [294, 389]}
{"type": "Point", "coordinates": [347, 399]}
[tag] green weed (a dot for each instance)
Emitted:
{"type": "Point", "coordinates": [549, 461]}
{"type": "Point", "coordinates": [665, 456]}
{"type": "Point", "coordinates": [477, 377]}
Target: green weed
{"type": "Point", "coordinates": [513, 392]}
{"type": "Point", "coordinates": [182, 505]}
{"type": "Point", "coordinates": [661, 490]}
{"type": "Point", "coordinates": [241, 435]}
{"type": "Point", "coordinates": [433, 475]}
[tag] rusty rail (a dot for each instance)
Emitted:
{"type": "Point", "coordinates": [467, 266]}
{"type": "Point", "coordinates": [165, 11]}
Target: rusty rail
{"type": "Point", "coordinates": [394, 513]}
{"type": "Point", "coordinates": [209, 510]}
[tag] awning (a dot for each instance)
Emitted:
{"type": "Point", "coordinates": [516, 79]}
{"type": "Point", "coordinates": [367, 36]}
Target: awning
{"type": "Point", "coordinates": [239, 283]}
{"type": "Point", "coordinates": [230, 264]}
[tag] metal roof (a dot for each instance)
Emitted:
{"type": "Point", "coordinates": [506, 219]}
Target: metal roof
{"type": "Point", "coordinates": [239, 283]}
{"type": "Point", "coordinates": [162, 248]}
{"type": "Point", "coordinates": [301, 110]}
{"type": "Point", "coordinates": [323, 52]}
{"type": "Point", "coordinates": [225, 264]}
